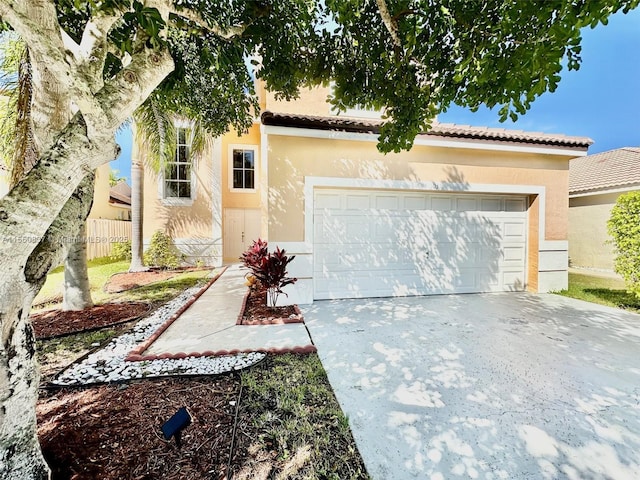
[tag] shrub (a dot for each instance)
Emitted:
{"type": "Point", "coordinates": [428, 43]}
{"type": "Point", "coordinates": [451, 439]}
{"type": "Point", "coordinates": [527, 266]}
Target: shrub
{"type": "Point", "coordinates": [624, 228]}
{"type": "Point", "coordinates": [121, 251]}
{"type": "Point", "coordinates": [162, 252]}
{"type": "Point", "coordinates": [252, 258]}
{"type": "Point", "coordinates": [269, 269]}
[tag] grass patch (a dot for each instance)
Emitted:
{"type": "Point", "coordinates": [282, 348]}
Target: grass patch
{"type": "Point", "coordinates": [100, 269]}
{"type": "Point", "coordinates": [604, 291]}
{"type": "Point", "coordinates": [56, 353]}
{"type": "Point", "coordinates": [165, 290]}
{"type": "Point", "coordinates": [304, 433]}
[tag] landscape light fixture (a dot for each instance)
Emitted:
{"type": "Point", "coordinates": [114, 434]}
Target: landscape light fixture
{"type": "Point", "coordinates": [174, 426]}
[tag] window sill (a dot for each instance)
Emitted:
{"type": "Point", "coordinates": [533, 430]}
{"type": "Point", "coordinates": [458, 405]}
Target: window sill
{"type": "Point", "coordinates": [243, 190]}
{"type": "Point", "coordinates": [177, 202]}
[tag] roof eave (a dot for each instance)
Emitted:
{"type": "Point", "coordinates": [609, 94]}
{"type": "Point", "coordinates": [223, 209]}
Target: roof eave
{"type": "Point", "coordinates": [572, 144]}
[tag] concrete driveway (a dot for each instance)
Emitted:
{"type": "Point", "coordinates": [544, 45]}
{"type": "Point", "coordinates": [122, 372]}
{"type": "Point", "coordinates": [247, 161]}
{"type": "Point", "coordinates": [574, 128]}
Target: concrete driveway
{"type": "Point", "coordinates": [496, 386]}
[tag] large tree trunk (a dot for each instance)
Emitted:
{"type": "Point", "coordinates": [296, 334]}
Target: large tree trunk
{"type": "Point", "coordinates": [76, 294]}
{"type": "Point", "coordinates": [31, 229]}
{"type": "Point", "coordinates": [20, 454]}
{"type": "Point", "coordinates": [137, 210]}
{"type": "Point", "coordinates": [44, 205]}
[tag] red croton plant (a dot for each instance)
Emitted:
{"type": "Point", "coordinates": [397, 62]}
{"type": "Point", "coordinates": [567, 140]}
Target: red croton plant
{"type": "Point", "coordinates": [269, 269]}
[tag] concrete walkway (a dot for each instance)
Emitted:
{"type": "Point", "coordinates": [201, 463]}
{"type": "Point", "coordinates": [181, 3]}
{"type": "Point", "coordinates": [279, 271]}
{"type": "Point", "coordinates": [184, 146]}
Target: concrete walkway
{"type": "Point", "coordinates": [208, 326]}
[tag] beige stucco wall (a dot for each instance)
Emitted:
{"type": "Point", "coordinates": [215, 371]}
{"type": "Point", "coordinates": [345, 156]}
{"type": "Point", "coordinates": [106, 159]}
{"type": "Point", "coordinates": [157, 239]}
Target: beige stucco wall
{"type": "Point", "coordinates": [235, 199]}
{"type": "Point", "coordinates": [588, 235]}
{"type": "Point", "coordinates": [293, 158]}
{"type": "Point", "coordinates": [185, 221]}
{"type": "Point", "coordinates": [101, 207]}
{"type": "Point", "coordinates": [311, 102]}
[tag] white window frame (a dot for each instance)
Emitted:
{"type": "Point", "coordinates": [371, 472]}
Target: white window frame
{"type": "Point", "coordinates": [162, 191]}
{"type": "Point", "coordinates": [255, 150]}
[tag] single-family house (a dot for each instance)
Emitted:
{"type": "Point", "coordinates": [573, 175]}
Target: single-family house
{"type": "Point", "coordinates": [595, 183]}
{"type": "Point", "coordinates": [110, 202]}
{"type": "Point", "coordinates": [467, 209]}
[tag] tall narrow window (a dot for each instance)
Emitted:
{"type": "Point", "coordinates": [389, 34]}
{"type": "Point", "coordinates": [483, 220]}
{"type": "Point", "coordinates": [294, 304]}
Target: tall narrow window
{"type": "Point", "coordinates": [244, 168]}
{"type": "Point", "coordinates": [177, 177]}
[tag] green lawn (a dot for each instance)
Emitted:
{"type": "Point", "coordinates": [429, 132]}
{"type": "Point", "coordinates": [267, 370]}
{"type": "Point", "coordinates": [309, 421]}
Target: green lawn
{"type": "Point", "coordinates": [605, 291]}
{"type": "Point", "coordinates": [288, 400]}
{"type": "Point", "coordinates": [101, 269]}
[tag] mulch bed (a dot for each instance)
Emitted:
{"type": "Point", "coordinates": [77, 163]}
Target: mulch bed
{"type": "Point", "coordinates": [55, 323]}
{"type": "Point", "coordinates": [256, 311]}
{"type": "Point", "coordinates": [113, 432]}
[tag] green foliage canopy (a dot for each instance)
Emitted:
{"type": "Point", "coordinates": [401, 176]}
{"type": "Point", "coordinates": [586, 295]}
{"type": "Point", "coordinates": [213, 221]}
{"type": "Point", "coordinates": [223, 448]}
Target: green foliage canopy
{"type": "Point", "coordinates": [412, 58]}
{"type": "Point", "coordinates": [624, 228]}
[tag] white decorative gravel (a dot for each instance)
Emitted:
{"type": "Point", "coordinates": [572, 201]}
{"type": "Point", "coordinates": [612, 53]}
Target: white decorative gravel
{"type": "Point", "coordinates": [108, 364]}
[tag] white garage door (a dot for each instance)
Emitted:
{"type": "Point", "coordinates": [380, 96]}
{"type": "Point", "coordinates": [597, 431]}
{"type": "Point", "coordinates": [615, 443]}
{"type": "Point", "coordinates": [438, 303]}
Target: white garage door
{"type": "Point", "coordinates": [397, 243]}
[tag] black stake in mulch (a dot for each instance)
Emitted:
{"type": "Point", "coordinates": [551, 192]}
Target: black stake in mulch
{"type": "Point", "coordinates": [174, 426]}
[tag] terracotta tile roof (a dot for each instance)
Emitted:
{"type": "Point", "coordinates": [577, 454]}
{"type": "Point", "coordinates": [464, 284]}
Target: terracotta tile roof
{"type": "Point", "coordinates": [604, 171]}
{"type": "Point", "coordinates": [120, 194]}
{"type": "Point", "coordinates": [450, 130]}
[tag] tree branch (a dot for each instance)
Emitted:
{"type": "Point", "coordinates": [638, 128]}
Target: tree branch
{"type": "Point", "coordinates": [52, 249]}
{"type": "Point", "coordinates": [25, 213]}
{"type": "Point", "coordinates": [94, 47]}
{"type": "Point", "coordinates": [36, 22]}
{"type": "Point", "coordinates": [195, 17]}
{"type": "Point", "coordinates": [133, 85]}
{"type": "Point", "coordinates": [389, 22]}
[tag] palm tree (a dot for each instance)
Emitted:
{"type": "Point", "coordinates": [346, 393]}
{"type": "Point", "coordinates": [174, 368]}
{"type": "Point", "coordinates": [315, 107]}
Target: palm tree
{"type": "Point", "coordinates": [154, 126]}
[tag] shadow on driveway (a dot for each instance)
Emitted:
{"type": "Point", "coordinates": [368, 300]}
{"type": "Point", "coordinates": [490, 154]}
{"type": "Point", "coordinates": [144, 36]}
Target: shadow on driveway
{"type": "Point", "coordinates": [499, 386]}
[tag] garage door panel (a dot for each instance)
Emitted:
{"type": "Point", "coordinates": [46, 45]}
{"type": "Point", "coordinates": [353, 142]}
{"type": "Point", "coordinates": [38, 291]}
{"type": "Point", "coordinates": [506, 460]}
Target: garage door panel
{"type": "Point", "coordinates": [379, 243]}
{"type": "Point", "coordinates": [415, 202]}
{"type": "Point", "coordinates": [442, 203]}
{"type": "Point", "coordinates": [514, 231]}
{"type": "Point", "coordinates": [515, 205]}
{"type": "Point", "coordinates": [366, 260]}
{"type": "Point", "coordinates": [386, 202]}
{"type": "Point", "coordinates": [466, 204]}
{"type": "Point", "coordinates": [328, 200]}
{"type": "Point", "coordinates": [491, 204]}
{"type": "Point", "coordinates": [360, 201]}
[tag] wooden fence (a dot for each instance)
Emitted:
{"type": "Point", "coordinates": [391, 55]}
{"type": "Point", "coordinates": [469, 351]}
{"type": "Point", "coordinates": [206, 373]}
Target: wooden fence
{"type": "Point", "coordinates": [102, 233]}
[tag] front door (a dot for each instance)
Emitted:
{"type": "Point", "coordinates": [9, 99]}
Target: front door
{"type": "Point", "coordinates": [241, 228]}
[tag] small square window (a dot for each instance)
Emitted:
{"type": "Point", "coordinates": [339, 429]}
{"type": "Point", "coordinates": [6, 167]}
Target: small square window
{"type": "Point", "coordinates": [243, 164]}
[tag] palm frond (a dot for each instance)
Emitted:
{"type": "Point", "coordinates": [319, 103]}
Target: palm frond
{"type": "Point", "coordinates": [201, 139]}
{"type": "Point", "coordinates": [19, 152]}
{"type": "Point", "coordinates": [25, 153]}
{"type": "Point", "coordinates": [156, 132]}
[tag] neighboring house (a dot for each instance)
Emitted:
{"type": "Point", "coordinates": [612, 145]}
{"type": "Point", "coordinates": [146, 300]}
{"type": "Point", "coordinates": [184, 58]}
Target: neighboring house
{"type": "Point", "coordinates": [110, 203]}
{"type": "Point", "coordinates": [595, 183]}
{"type": "Point", "coordinates": [120, 198]}
{"type": "Point", "coordinates": [468, 209]}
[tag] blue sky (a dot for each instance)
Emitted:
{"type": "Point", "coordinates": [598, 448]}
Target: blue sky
{"type": "Point", "coordinates": [601, 100]}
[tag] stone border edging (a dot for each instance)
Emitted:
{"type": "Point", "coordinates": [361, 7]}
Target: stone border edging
{"type": "Point", "coordinates": [219, 353]}
{"type": "Point", "coordinates": [135, 355]}
{"type": "Point", "coordinates": [271, 320]}
{"type": "Point", "coordinates": [50, 386]}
